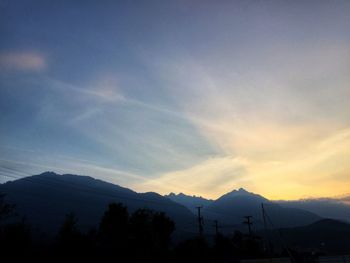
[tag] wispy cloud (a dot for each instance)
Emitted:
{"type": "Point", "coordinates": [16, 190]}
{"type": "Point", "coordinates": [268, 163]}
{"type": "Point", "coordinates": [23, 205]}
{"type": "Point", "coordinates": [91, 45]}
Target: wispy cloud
{"type": "Point", "coordinates": [107, 90]}
{"type": "Point", "coordinates": [262, 103]}
{"type": "Point", "coordinates": [209, 178]}
{"type": "Point", "coordinates": [101, 92]}
{"type": "Point", "coordinates": [23, 61]}
{"type": "Point", "coordinates": [280, 125]}
{"type": "Point", "coordinates": [18, 167]}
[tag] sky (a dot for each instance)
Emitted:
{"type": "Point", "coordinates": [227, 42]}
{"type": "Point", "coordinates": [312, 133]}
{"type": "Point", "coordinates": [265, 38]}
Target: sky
{"type": "Point", "coordinates": [199, 97]}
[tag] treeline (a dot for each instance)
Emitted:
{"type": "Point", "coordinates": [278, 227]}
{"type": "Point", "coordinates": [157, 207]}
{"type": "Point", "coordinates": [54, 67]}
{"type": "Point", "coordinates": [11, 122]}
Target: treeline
{"type": "Point", "coordinates": [142, 236]}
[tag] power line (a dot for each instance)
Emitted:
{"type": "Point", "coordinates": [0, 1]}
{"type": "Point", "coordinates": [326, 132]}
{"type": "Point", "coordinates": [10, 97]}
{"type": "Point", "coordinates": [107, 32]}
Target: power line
{"type": "Point", "coordinates": [267, 241]}
{"type": "Point", "coordinates": [280, 236]}
{"type": "Point", "coordinates": [52, 182]}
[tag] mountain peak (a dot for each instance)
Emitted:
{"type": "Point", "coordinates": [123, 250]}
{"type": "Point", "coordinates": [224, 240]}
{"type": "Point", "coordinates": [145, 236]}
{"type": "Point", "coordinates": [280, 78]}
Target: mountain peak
{"type": "Point", "coordinates": [48, 173]}
{"type": "Point", "coordinates": [189, 201]}
{"type": "Point", "coordinates": [240, 191]}
{"type": "Point", "coordinates": [243, 193]}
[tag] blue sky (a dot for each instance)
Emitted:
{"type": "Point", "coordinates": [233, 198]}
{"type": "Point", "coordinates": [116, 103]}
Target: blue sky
{"type": "Point", "coordinates": [186, 96]}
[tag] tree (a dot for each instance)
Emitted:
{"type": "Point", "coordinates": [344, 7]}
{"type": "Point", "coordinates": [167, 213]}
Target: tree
{"type": "Point", "coordinates": [5, 209]}
{"type": "Point", "coordinates": [15, 239]}
{"type": "Point", "coordinates": [222, 250]}
{"type": "Point", "coordinates": [193, 250]}
{"type": "Point", "coordinates": [150, 235]}
{"type": "Point", "coordinates": [113, 229]}
{"type": "Point", "coordinates": [163, 227]}
{"type": "Point", "coordinates": [141, 233]}
{"type": "Point", "coordinates": [69, 237]}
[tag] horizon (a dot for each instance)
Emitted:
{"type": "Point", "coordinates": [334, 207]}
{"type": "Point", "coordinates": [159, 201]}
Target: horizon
{"type": "Point", "coordinates": [200, 97]}
{"type": "Point", "coordinates": [337, 198]}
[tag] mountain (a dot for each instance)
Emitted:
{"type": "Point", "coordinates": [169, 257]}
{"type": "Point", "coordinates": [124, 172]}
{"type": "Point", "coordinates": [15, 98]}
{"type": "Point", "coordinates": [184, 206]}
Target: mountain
{"type": "Point", "coordinates": [325, 207]}
{"type": "Point", "coordinates": [232, 207]}
{"type": "Point", "coordinates": [326, 235]}
{"type": "Point", "coordinates": [191, 202]}
{"type": "Point", "coordinates": [46, 198]}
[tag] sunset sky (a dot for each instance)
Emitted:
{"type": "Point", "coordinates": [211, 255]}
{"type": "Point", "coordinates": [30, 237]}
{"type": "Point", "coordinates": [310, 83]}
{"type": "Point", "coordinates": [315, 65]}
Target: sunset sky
{"type": "Point", "coordinates": [200, 97]}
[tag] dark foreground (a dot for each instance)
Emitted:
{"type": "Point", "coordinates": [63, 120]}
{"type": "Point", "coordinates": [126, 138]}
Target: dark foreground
{"type": "Point", "coordinates": [143, 236]}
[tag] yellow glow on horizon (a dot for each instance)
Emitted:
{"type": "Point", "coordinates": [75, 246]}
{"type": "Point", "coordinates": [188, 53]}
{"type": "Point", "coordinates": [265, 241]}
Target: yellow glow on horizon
{"type": "Point", "coordinates": [282, 131]}
{"type": "Point", "coordinates": [292, 176]}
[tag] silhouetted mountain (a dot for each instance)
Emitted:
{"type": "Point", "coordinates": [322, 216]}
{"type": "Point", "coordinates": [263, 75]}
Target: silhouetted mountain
{"type": "Point", "coordinates": [326, 235]}
{"type": "Point", "coordinates": [232, 207]}
{"type": "Point", "coordinates": [45, 199]}
{"type": "Point", "coordinates": [325, 207]}
{"type": "Point", "coordinates": [190, 201]}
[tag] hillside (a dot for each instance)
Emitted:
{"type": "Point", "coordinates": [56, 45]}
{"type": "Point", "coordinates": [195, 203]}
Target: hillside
{"type": "Point", "coordinates": [326, 235]}
{"type": "Point", "coordinates": [46, 198]}
{"type": "Point", "coordinates": [325, 207]}
{"type": "Point", "coordinates": [232, 207]}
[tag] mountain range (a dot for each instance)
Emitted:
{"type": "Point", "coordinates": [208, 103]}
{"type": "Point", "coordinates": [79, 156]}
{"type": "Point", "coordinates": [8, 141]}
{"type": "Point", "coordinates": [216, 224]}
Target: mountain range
{"type": "Point", "coordinates": [231, 208]}
{"type": "Point", "coordinates": [336, 208]}
{"type": "Point", "coordinates": [325, 207]}
{"type": "Point", "coordinates": [46, 198]}
{"type": "Point", "coordinates": [191, 202]}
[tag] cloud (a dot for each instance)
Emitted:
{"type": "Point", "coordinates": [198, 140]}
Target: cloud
{"type": "Point", "coordinates": [18, 167]}
{"type": "Point", "coordinates": [144, 137]}
{"type": "Point", "coordinates": [102, 90]}
{"type": "Point", "coordinates": [23, 61]}
{"type": "Point", "coordinates": [288, 119]}
{"type": "Point", "coordinates": [288, 176]}
{"type": "Point", "coordinates": [106, 87]}
{"type": "Point", "coordinates": [209, 178]}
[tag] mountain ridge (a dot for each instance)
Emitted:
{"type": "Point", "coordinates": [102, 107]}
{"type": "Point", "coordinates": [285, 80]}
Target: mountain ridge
{"type": "Point", "coordinates": [324, 207]}
{"type": "Point", "coordinates": [189, 201]}
{"type": "Point", "coordinates": [46, 198]}
{"type": "Point", "coordinates": [68, 192]}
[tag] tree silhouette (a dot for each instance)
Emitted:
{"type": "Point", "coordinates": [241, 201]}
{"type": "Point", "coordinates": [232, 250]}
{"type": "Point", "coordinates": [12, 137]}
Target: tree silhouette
{"type": "Point", "coordinates": [144, 236]}
{"type": "Point", "coordinates": [5, 209]}
{"type": "Point", "coordinates": [223, 248]}
{"type": "Point", "coordinates": [68, 231]}
{"type": "Point", "coordinates": [247, 246]}
{"type": "Point", "coordinates": [150, 235]}
{"type": "Point", "coordinates": [15, 236]}
{"type": "Point", "coordinates": [163, 227]}
{"type": "Point", "coordinates": [113, 230]}
{"type": "Point", "coordinates": [114, 224]}
{"type": "Point", "coordinates": [193, 250]}
{"type": "Point", "coordinates": [70, 240]}
{"type": "Point", "coordinates": [15, 239]}
{"type": "Point", "coordinates": [141, 230]}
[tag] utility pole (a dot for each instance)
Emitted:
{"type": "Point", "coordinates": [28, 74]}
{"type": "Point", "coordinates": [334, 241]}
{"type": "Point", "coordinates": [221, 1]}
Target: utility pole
{"type": "Point", "coordinates": [281, 238]}
{"type": "Point", "coordinates": [264, 217]}
{"type": "Point", "coordinates": [216, 225]}
{"type": "Point", "coordinates": [249, 223]}
{"type": "Point", "coordinates": [200, 221]}
{"type": "Point", "coordinates": [267, 241]}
